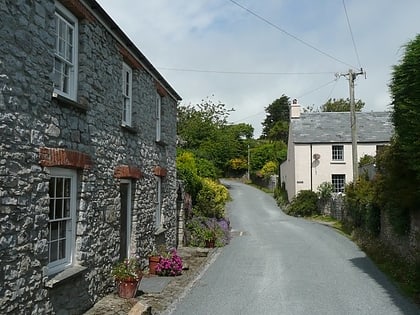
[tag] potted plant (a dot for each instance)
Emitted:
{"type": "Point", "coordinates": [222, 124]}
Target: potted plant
{"type": "Point", "coordinates": [127, 275]}
{"type": "Point", "coordinates": [210, 237]}
{"type": "Point", "coordinates": [170, 264]}
{"type": "Point", "coordinates": [155, 257]}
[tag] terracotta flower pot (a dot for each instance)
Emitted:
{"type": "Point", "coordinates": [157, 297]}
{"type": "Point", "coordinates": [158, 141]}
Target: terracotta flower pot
{"type": "Point", "coordinates": [210, 243]}
{"type": "Point", "coordinates": [153, 262]}
{"type": "Point", "coordinates": [127, 289]}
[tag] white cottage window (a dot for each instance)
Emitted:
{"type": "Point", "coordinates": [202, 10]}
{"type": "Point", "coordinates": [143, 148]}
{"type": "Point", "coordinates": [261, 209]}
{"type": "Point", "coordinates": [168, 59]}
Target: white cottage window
{"type": "Point", "coordinates": [158, 116]}
{"type": "Point", "coordinates": [338, 181]}
{"type": "Point", "coordinates": [127, 87]}
{"type": "Point", "coordinates": [158, 220]}
{"type": "Point", "coordinates": [65, 54]}
{"type": "Point", "coordinates": [337, 152]}
{"type": "Point", "coordinates": [62, 214]}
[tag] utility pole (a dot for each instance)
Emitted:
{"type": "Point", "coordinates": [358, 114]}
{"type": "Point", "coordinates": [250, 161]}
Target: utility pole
{"type": "Point", "coordinates": [352, 76]}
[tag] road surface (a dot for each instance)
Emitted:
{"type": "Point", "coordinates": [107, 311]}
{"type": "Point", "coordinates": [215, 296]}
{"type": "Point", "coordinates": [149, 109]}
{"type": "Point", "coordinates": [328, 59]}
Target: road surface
{"type": "Point", "coordinates": [276, 264]}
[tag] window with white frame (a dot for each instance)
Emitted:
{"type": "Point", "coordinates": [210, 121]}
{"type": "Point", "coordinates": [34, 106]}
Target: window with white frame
{"type": "Point", "coordinates": [158, 202]}
{"type": "Point", "coordinates": [127, 88]}
{"type": "Point", "coordinates": [61, 223]}
{"type": "Point", "coordinates": [338, 181]}
{"type": "Point", "coordinates": [337, 152]}
{"type": "Point", "coordinates": [65, 54]}
{"type": "Point", "coordinates": [158, 116]}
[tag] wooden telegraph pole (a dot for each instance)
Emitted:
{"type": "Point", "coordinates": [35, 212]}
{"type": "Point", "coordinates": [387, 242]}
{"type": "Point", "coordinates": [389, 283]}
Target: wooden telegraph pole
{"type": "Point", "coordinates": [352, 76]}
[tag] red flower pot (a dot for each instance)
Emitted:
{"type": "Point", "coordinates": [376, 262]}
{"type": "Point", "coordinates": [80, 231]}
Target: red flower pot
{"type": "Point", "coordinates": [153, 262]}
{"type": "Point", "coordinates": [127, 289]}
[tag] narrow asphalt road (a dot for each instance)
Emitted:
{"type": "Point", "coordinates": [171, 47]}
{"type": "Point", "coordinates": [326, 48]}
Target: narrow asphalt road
{"type": "Point", "coordinates": [277, 264]}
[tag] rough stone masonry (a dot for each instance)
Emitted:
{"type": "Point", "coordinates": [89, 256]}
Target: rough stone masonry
{"type": "Point", "coordinates": [40, 132]}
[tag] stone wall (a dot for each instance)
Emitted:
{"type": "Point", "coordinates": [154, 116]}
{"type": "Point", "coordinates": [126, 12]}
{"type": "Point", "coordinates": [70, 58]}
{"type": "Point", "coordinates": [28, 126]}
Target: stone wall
{"type": "Point", "coordinates": [38, 131]}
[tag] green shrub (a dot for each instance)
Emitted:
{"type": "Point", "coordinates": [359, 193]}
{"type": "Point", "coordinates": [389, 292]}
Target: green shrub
{"type": "Point", "coordinates": [280, 194]}
{"type": "Point", "coordinates": [325, 191]}
{"type": "Point", "coordinates": [361, 205]}
{"type": "Point", "coordinates": [304, 204]}
{"type": "Point", "coordinates": [211, 199]}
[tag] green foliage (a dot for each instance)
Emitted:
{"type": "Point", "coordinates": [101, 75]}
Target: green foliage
{"type": "Point", "coordinates": [405, 272]}
{"type": "Point", "coordinates": [269, 168]}
{"type": "Point", "coordinates": [366, 160]}
{"type": "Point", "coordinates": [361, 204]}
{"type": "Point", "coordinates": [187, 172]}
{"type": "Point", "coordinates": [341, 105]}
{"type": "Point", "coordinates": [304, 204]}
{"type": "Point", "coordinates": [203, 229]}
{"type": "Point", "coordinates": [238, 164]}
{"type": "Point", "coordinates": [405, 93]}
{"type": "Point", "coordinates": [280, 194]}
{"type": "Point", "coordinates": [206, 168]}
{"type": "Point", "coordinates": [203, 129]}
{"type": "Point", "coordinates": [275, 125]}
{"type": "Point", "coordinates": [267, 151]}
{"type": "Point", "coordinates": [325, 191]}
{"type": "Point", "coordinates": [396, 193]}
{"type": "Point", "coordinates": [211, 199]}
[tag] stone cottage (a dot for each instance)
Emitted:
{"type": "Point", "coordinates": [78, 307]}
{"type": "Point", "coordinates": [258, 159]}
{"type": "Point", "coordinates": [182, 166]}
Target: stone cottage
{"type": "Point", "coordinates": [87, 155]}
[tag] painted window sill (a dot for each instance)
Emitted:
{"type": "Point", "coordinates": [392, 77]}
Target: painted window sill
{"type": "Point", "coordinates": [338, 162]}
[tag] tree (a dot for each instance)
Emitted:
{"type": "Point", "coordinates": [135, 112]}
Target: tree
{"type": "Point", "coordinates": [399, 164]}
{"type": "Point", "coordinates": [405, 92]}
{"type": "Point", "coordinates": [204, 130]}
{"type": "Point", "coordinates": [341, 105]}
{"type": "Point", "coordinates": [276, 123]}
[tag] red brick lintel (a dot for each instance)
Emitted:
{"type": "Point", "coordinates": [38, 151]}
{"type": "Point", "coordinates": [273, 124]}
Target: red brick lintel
{"type": "Point", "coordinates": [160, 171]}
{"type": "Point", "coordinates": [49, 157]}
{"type": "Point", "coordinates": [127, 171]}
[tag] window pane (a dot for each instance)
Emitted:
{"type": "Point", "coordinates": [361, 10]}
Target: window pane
{"type": "Point", "coordinates": [53, 251]}
{"type": "Point", "coordinates": [66, 204]}
{"type": "Point", "coordinates": [66, 187]}
{"type": "Point", "coordinates": [52, 208]}
{"type": "Point", "coordinates": [53, 231]}
{"type": "Point", "coordinates": [63, 229]}
{"type": "Point", "coordinates": [58, 213]}
{"type": "Point", "coordinates": [62, 249]}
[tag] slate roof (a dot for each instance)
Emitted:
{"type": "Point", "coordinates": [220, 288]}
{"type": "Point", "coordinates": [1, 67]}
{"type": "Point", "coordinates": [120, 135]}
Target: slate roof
{"type": "Point", "coordinates": [334, 127]}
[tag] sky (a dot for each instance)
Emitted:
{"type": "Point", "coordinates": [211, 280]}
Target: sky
{"type": "Point", "coordinates": [248, 53]}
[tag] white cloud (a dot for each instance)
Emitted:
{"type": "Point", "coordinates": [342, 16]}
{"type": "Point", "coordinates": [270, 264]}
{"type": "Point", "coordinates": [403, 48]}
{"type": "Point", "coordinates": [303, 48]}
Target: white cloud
{"type": "Point", "coordinates": [219, 35]}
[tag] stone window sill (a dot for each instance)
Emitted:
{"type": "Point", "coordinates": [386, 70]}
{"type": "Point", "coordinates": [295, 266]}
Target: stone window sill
{"type": "Point", "coordinates": [64, 276]}
{"type": "Point", "coordinates": [160, 230]}
{"type": "Point", "coordinates": [338, 162]}
{"type": "Point", "coordinates": [64, 101]}
{"type": "Point", "coordinates": [161, 143]}
{"type": "Point", "coordinates": [129, 129]}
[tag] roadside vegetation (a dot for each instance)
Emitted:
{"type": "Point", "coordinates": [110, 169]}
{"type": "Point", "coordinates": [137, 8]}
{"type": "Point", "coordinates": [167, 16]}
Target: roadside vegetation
{"type": "Point", "coordinates": [210, 148]}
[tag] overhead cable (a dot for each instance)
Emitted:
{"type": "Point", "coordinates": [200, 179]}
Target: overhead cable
{"type": "Point", "coordinates": [289, 34]}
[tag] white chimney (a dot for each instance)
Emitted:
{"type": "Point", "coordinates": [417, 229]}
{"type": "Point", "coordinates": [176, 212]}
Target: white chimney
{"type": "Point", "coordinates": [295, 110]}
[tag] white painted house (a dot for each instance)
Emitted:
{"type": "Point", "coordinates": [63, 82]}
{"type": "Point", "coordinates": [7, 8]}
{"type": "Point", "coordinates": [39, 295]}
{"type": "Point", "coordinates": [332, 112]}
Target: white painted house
{"type": "Point", "coordinates": [320, 147]}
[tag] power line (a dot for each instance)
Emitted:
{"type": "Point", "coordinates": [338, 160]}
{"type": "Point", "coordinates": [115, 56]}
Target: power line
{"type": "Point", "coordinates": [289, 34]}
{"type": "Point", "coordinates": [351, 33]}
{"type": "Point", "coordinates": [306, 93]}
{"type": "Point", "coordinates": [316, 89]}
{"type": "Point", "coordinates": [242, 72]}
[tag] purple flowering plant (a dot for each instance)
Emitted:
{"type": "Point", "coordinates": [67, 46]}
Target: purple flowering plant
{"type": "Point", "coordinates": [169, 264]}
